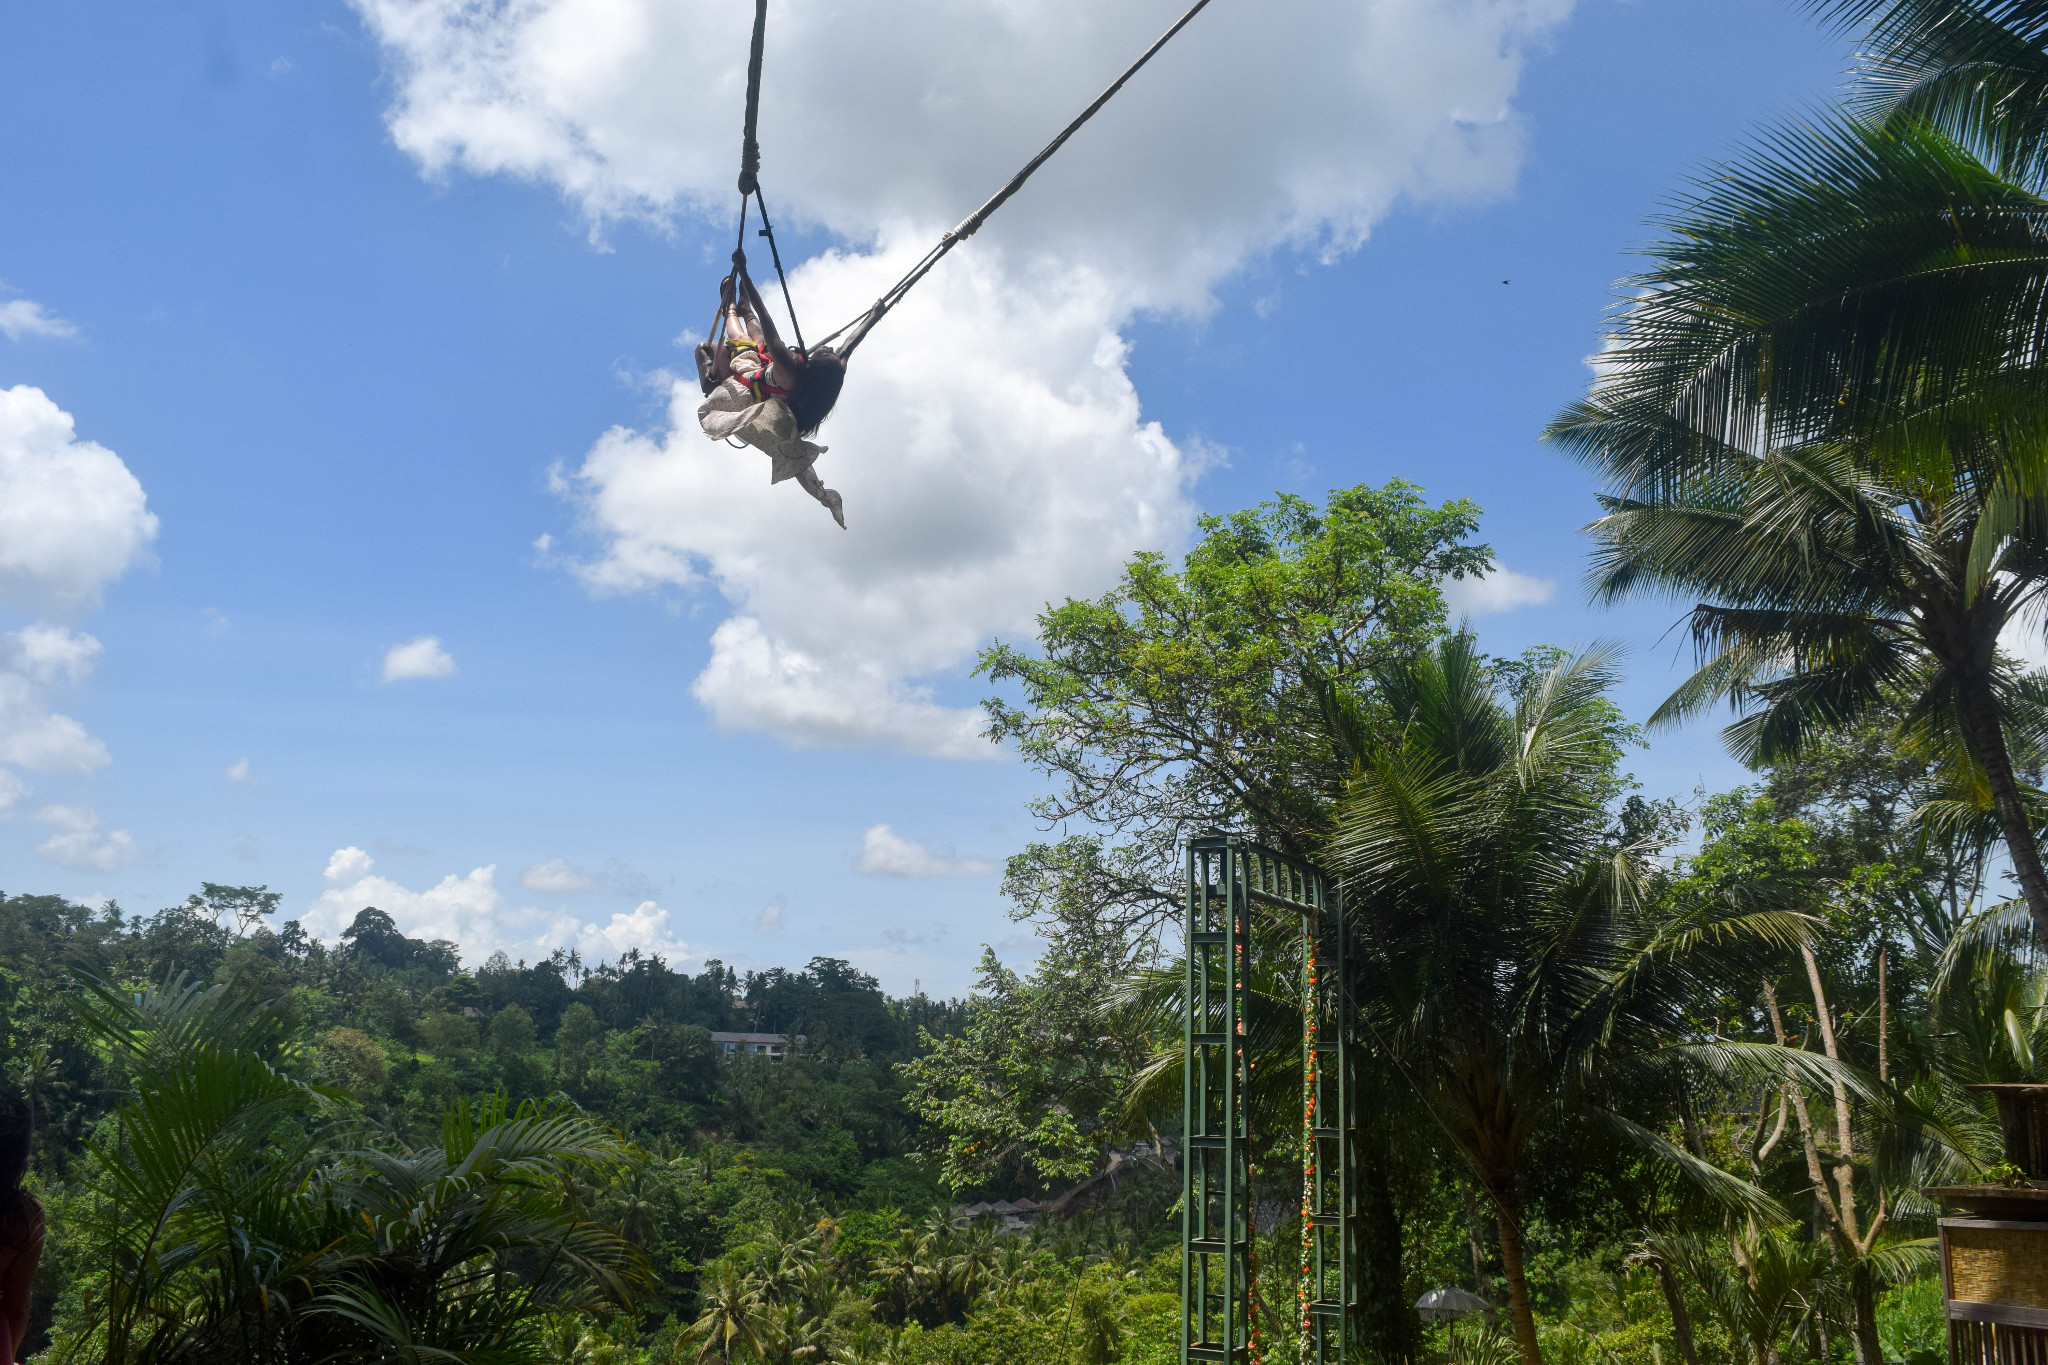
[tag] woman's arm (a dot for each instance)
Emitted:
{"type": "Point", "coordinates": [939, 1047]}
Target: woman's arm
{"type": "Point", "coordinates": [721, 356]}
{"type": "Point", "coordinates": [769, 337]}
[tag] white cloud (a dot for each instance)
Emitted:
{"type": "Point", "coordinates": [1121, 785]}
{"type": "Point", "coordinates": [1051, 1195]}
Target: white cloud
{"type": "Point", "coordinates": [238, 771]}
{"type": "Point", "coordinates": [990, 446]}
{"type": "Point", "coordinates": [34, 662]}
{"type": "Point", "coordinates": [1501, 590]}
{"type": "Point", "coordinates": [885, 853]}
{"type": "Point", "coordinates": [78, 844]}
{"type": "Point", "coordinates": [471, 912]}
{"type": "Point", "coordinates": [770, 920]}
{"type": "Point", "coordinates": [72, 518]}
{"type": "Point", "coordinates": [421, 658]}
{"type": "Point", "coordinates": [50, 654]}
{"type": "Point", "coordinates": [26, 318]}
{"type": "Point", "coordinates": [646, 928]}
{"type": "Point", "coordinates": [557, 876]}
{"type": "Point", "coordinates": [754, 682]}
{"type": "Point", "coordinates": [12, 790]}
{"type": "Point", "coordinates": [70, 819]}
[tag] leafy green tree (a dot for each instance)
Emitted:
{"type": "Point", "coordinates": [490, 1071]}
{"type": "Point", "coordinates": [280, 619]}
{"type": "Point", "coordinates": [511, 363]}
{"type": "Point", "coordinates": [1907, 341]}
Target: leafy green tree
{"type": "Point", "coordinates": [353, 1061]}
{"type": "Point", "coordinates": [1191, 698]}
{"type": "Point", "coordinates": [512, 1032]}
{"type": "Point", "coordinates": [448, 1034]}
{"type": "Point", "coordinates": [578, 1041]}
{"type": "Point", "coordinates": [1034, 1085]}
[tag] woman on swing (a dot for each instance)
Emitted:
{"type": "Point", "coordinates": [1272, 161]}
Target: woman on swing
{"type": "Point", "coordinates": [767, 395]}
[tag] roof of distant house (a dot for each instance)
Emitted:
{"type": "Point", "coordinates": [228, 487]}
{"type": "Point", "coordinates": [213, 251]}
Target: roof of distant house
{"type": "Point", "coordinates": [749, 1038]}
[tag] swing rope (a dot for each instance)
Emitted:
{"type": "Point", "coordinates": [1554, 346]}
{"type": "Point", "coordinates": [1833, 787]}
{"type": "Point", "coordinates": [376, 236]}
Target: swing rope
{"type": "Point", "coordinates": [750, 166]}
{"type": "Point", "coordinates": [750, 144]}
{"type": "Point", "coordinates": [971, 224]}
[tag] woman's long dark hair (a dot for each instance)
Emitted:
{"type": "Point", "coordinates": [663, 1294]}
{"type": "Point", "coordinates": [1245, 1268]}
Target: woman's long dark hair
{"type": "Point", "coordinates": [816, 389]}
{"type": "Point", "coordinates": [19, 1211]}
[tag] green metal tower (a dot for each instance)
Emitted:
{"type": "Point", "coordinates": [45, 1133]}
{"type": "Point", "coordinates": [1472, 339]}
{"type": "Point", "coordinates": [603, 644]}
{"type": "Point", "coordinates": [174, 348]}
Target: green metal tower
{"type": "Point", "coordinates": [1229, 881]}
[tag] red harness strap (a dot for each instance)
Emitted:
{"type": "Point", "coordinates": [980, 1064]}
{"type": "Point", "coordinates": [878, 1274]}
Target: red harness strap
{"type": "Point", "coordinates": [758, 385]}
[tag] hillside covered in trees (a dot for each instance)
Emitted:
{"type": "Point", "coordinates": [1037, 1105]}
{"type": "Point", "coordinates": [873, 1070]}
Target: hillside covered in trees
{"type": "Point", "coordinates": [1721, 1043]}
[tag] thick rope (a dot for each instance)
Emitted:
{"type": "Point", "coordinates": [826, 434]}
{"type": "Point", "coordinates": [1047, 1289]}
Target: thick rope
{"type": "Point", "coordinates": [971, 224]}
{"type": "Point", "coordinates": [750, 145]}
{"type": "Point", "coordinates": [750, 164]}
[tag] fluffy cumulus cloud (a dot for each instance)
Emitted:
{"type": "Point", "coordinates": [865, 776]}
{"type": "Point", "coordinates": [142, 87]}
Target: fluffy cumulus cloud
{"type": "Point", "coordinates": [78, 843]}
{"type": "Point", "coordinates": [72, 519]}
{"type": "Point", "coordinates": [885, 853]}
{"type": "Point", "coordinates": [991, 449]}
{"type": "Point", "coordinates": [1501, 590]}
{"type": "Point", "coordinates": [421, 658]}
{"type": "Point", "coordinates": [72, 516]}
{"type": "Point", "coordinates": [472, 913]}
{"type": "Point", "coordinates": [12, 792]}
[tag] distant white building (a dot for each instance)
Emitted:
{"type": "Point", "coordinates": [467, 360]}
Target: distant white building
{"type": "Point", "coordinates": [1009, 1217]}
{"type": "Point", "coordinates": [773, 1046]}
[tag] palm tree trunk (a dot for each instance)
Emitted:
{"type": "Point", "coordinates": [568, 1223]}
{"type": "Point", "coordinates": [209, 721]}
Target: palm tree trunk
{"type": "Point", "coordinates": [1391, 1329]}
{"type": "Point", "coordinates": [1977, 712]}
{"type": "Point", "coordinates": [1863, 1296]}
{"type": "Point", "coordinates": [1681, 1317]}
{"type": "Point", "coordinates": [1510, 1219]}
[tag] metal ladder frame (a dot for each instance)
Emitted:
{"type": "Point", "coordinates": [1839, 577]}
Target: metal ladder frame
{"type": "Point", "coordinates": [1228, 880]}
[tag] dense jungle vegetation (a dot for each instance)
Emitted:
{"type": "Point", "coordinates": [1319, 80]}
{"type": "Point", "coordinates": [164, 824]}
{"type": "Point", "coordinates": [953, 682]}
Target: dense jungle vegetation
{"type": "Point", "coordinates": [1651, 1107]}
{"type": "Point", "coordinates": [1660, 1077]}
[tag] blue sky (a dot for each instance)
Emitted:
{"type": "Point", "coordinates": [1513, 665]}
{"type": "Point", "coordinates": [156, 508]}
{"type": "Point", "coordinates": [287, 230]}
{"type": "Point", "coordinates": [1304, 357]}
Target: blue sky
{"type": "Point", "coordinates": [357, 309]}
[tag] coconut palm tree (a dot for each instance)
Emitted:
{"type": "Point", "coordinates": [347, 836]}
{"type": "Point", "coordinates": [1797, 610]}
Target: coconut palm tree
{"type": "Point", "coordinates": [1822, 418]}
{"type": "Point", "coordinates": [1977, 70]}
{"type": "Point", "coordinates": [1509, 966]}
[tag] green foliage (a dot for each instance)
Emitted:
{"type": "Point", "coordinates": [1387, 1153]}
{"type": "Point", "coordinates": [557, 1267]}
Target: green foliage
{"type": "Point", "coordinates": [334, 1108]}
{"type": "Point", "coordinates": [1819, 419]}
{"type": "Point", "coordinates": [1190, 698]}
{"type": "Point", "coordinates": [1033, 1082]}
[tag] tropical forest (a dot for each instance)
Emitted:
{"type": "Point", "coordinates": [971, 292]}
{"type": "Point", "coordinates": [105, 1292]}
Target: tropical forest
{"type": "Point", "coordinates": [1635, 1076]}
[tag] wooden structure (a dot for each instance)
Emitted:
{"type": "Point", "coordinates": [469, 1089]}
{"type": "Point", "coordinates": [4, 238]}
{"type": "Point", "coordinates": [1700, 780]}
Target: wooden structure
{"type": "Point", "coordinates": [1994, 1254]}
